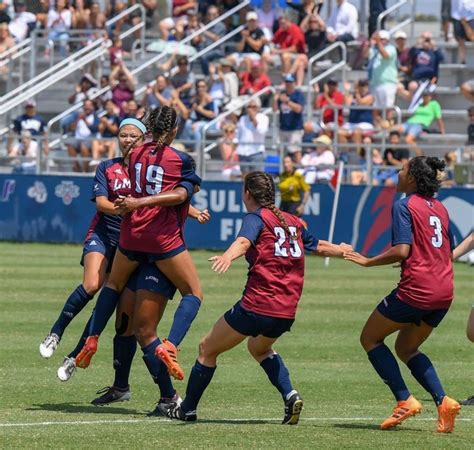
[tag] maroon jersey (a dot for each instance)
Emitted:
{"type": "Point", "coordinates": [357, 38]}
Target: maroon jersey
{"type": "Point", "coordinates": [276, 263]}
{"type": "Point", "coordinates": [111, 181]}
{"type": "Point", "coordinates": [427, 274]}
{"type": "Point", "coordinates": [157, 229]}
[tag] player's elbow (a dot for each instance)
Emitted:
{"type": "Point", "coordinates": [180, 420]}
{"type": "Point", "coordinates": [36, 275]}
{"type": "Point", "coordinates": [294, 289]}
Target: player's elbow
{"type": "Point", "coordinates": [403, 251]}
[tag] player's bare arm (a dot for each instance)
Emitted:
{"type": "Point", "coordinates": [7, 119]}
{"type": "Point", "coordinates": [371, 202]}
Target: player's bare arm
{"type": "Point", "coordinates": [395, 254]}
{"type": "Point", "coordinates": [222, 263]}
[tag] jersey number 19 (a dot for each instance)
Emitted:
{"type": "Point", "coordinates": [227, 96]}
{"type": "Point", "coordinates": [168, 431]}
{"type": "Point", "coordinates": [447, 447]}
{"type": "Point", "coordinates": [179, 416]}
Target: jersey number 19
{"type": "Point", "coordinates": [154, 179]}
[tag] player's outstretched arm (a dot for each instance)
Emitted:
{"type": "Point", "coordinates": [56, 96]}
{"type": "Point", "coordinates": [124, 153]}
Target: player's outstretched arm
{"type": "Point", "coordinates": [103, 204]}
{"type": "Point", "coordinates": [326, 248]}
{"type": "Point", "coordinates": [201, 216]}
{"type": "Point", "coordinates": [170, 198]}
{"type": "Point", "coordinates": [464, 247]}
{"type": "Point", "coordinates": [238, 248]}
{"type": "Point", "coordinates": [395, 254]}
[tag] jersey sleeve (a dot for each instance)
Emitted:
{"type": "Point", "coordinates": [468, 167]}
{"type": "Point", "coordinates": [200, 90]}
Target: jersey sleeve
{"type": "Point", "coordinates": [309, 241]}
{"type": "Point", "coordinates": [189, 179]}
{"type": "Point", "coordinates": [402, 227]}
{"type": "Point", "coordinates": [452, 241]}
{"type": "Point", "coordinates": [252, 226]}
{"type": "Point", "coordinates": [100, 187]}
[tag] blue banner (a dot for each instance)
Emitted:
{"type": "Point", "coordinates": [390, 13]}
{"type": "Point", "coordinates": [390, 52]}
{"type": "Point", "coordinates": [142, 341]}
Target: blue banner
{"type": "Point", "coordinates": [58, 209]}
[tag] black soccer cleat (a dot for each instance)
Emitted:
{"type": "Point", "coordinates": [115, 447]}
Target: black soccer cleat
{"type": "Point", "coordinates": [468, 402]}
{"type": "Point", "coordinates": [112, 394]}
{"type": "Point", "coordinates": [176, 413]}
{"type": "Point", "coordinates": [164, 405]}
{"type": "Point", "coordinates": [293, 408]}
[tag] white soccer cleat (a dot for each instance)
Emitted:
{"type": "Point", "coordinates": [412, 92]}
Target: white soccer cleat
{"type": "Point", "coordinates": [68, 369]}
{"type": "Point", "coordinates": [49, 345]}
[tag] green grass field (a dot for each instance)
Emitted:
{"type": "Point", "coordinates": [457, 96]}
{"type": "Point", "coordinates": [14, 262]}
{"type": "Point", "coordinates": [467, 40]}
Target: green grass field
{"type": "Point", "coordinates": [344, 399]}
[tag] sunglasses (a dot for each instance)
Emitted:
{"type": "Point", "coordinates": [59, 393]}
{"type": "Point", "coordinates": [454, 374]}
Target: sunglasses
{"type": "Point", "coordinates": [252, 106]}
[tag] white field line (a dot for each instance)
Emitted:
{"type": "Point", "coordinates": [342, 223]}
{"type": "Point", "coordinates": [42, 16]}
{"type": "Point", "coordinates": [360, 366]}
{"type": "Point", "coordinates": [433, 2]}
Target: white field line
{"type": "Point", "coordinates": [166, 421]}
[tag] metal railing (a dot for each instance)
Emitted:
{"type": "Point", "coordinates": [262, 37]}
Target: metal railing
{"type": "Point", "coordinates": [68, 65]}
{"type": "Point", "coordinates": [311, 81]}
{"type": "Point", "coordinates": [200, 157]}
{"type": "Point", "coordinates": [396, 7]}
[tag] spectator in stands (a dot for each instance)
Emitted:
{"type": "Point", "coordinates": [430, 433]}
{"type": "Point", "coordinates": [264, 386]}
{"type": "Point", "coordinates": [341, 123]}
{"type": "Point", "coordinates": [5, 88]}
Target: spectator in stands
{"type": "Point", "coordinates": [116, 52]}
{"type": "Point", "coordinates": [289, 45]}
{"type": "Point", "coordinates": [360, 123]}
{"type": "Point", "coordinates": [314, 30]}
{"type": "Point", "coordinates": [228, 151]}
{"type": "Point", "coordinates": [6, 43]}
{"type": "Point", "coordinates": [23, 153]}
{"type": "Point", "coordinates": [290, 103]}
{"type": "Point", "coordinates": [131, 110]}
{"type": "Point", "coordinates": [254, 81]}
{"type": "Point", "coordinates": [428, 111]}
{"type": "Point", "coordinates": [343, 24]}
{"type": "Point", "coordinates": [108, 129]}
{"type": "Point", "coordinates": [393, 156]}
{"type": "Point", "coordinates": [383, 70]}
{"type": "Point", "coordinates": [210, 36]}
{"type": "Point", "coordinates": [467, 90]}
{"type": "Point", "coordinates": [293, 189]}
{"type": "Point", "coordinates": [183, 81]}
{"type": "Point", "coordinates": [107, 95]}
{"type": "Point", "coordinates": [4, 16]}
{"type": "Point", "coordinates": [59, 24]}
{"type": "Point", "coordinates": [251, 131]}
{"type": "Point", "coordinates": [181, 109]}
{"type": "Point", "coordinates": [86, 88]}
{"type": "Point", "coordinates": [462, 14]}
{"type": "Point", "coordinates": [450, 159]}
{"type": "Point", "coordinates": [223, 82]}
{"type": "Point", "coordinates": [203, 110]}
{"type": "Point", "coordinates": [403, 56]}
{"type": "Point", "coordinates": [30, 121]}
{"type": "Point", "coordinates": [314, 163]}
{"type": "Point", "coordinates": [159, 94]}
{"type": "Point", "coordinates": [22, 22]}
{"type": "Point", "coordinates": [178, 13]}
{"type": "Point", "coordinates": [361, 176]}
{"type": "Point", "coordinates": [188, 27]}
{"type": "Point", "coordinates": [85, 130]}
{"type": "Point", "coordinates": [305, 8]}
{"type": "Point", "coordinates": [123, 85]}
{"type": "Point", "coordinates": [376, 7]}
{"type": "Point", "coordinates": [252, 42]}
{"type": "Point", "coordinates": [331, 97]}
{"type": "Point", "coordinates": [268, 14]}
{"type": "Point", "coordinates": [97, 19]}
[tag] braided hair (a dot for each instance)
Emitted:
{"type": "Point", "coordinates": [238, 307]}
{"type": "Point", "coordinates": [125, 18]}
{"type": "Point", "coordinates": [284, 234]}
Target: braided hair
{"type": "Point", "coordinates": [428, 173]}
{"type": "Point", "coordinates": [261, 187]}
{"type": "Point", "coordinates": [160, 122]}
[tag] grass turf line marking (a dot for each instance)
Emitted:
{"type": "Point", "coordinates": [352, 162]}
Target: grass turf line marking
{"type": "Point", "coordinates": [163, 420]}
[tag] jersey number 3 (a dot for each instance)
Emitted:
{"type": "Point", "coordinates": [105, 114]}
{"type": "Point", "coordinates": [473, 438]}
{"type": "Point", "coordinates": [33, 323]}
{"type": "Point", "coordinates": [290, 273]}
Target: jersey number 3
{"type": "Point", "coordinates": [295, 249]}
{"type": "Point", "coordinates": [154, 179]}
{"type": "Point", "coordinates": [437, 239]}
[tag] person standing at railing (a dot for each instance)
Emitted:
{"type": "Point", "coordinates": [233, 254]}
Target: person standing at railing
{"type": "Point", "coordinates": [210, 36]}
{"type": "Point", "coordinates": [343, 24]}
{"type": "Point", "coordinates": [59, 23]}
{"type": "Point", "coordinates": [376, 7]}
{"type": "Point", "coordinates": [290, 103]}
{"type": "Point", "coordinates": [251, 131]}
{"type": "Point", "coordinates": [123, 85]}
{"type": "Point", "coordinates": [462, 16]}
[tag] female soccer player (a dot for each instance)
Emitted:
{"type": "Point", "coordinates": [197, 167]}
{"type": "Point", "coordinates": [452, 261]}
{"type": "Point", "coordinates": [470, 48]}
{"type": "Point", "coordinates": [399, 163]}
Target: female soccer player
{"type": "Point", "coordinates": [273, 243]}
{"type": "Point", "coordinates": [421, 241]}
{"type": "Point", "coordinates": [163, 180]}
{"type": "Point", "coordinates": [111, 181]}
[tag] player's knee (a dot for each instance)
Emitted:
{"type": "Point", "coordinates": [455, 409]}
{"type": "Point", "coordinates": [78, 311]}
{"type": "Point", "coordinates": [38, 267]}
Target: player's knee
{"type": "Point", "coordinates": [258, 353]}
{"type": "Point", "coordinates": [405, 353]}
{"type": "Point", "coordinates": [367, 342]}
{"type": "Point", "coordinates": [142, 331]}
{"type": "Point", "coordinates": [205, 349]}
{"type": "Point", "coordinates": [92, 286]}
{"type": "Point", "coordinates": [470, 333]}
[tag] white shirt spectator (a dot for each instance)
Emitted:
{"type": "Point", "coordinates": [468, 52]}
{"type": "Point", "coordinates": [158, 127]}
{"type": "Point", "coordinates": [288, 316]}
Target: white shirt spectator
{"type": "Point", "coordinates": [21, 150]}
{"type": "Point", "coordinates": [344, 19]}
{"type": "Point", "coordinates": [312, 160]}
{"type": "Point", "coordinates": [462, 9]}
{"type": "Point", "coordinates": [18, 27]}
{"type": "Point", "coordinates": [65, 19]}
{"type": "Point", "coordinates": [247, 132]}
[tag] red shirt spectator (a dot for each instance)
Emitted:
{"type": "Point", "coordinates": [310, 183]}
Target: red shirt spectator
{"type": "Point", "coordinates": [253, 81]}
{"type": "Point", "coordinates": [331, 97]}
{"type": "Point", "coordinates": [288, 35]}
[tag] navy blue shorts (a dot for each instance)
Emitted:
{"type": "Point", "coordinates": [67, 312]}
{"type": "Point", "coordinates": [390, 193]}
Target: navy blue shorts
{"type": "Point", "coordinates": [253, 324]}
{"type": "Point", "coordinates": [98, 243]}
{"type": "Point", "coordinates": [149, 278]}
{"type": "Point", "coordinates": [394, 309]}
{"type": "Point", "coordinates": [144, 258]}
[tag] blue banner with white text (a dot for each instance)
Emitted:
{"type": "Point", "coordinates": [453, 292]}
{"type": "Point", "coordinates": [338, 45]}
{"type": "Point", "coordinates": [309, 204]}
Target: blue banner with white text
{"type": "Point", "coordinates": [58, 209]}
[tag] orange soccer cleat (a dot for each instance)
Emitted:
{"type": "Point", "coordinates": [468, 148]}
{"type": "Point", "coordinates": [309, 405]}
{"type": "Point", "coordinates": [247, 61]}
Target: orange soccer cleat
{"type": "Point", "coordinates": [403, 410]}
{"type": "Point", "coordinates": [83, 359]}
{"type": "Point", "coordinates": [168, 354]}
{"type": "Point", "coordinates": [447, 412]}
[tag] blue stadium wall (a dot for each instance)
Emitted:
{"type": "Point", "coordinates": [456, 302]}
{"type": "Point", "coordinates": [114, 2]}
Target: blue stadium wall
{"type": "Point", "coordinates": [59, 209]}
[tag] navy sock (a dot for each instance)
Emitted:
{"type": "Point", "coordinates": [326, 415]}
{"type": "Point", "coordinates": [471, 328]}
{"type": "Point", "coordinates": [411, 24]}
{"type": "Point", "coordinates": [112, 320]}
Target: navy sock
{"type": "Point", "coordinates": [82, 339]}
{"type": "Point", "coordinates": [183, 318]}
{"type": "Point", "coordinates": [422, 369]}
{"type": "Point", "coordinates": [198, 381]}
{"type": "Point", "coordinates": [278, 374]}
{"type": "Point", "coordinates": [73, 306]}
{"type": "Point", "coordinates": [158, 370]}
{"type": "Point", "coordinates": [387, 367]}
{"type": "Point", "coordinates": [124, 351]}
{"type": "Point", "coordinates": [104, 308]}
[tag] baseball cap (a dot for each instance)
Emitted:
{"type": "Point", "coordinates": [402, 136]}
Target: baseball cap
{"type": "Point", "coordinates": [30, 103]}
{"type": "Point", "coordinates": [251, 15]}
{"type": "Point", "coordinates": [289, 78]}
{"type": "Point", "coordinates": [400, 35]}
{"type": "Point", "coordinates": [323, 139]}
{"type": "Point", "coordinates": [256, 64]}
{"type": "Point", "coordinates": [384, 34]}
